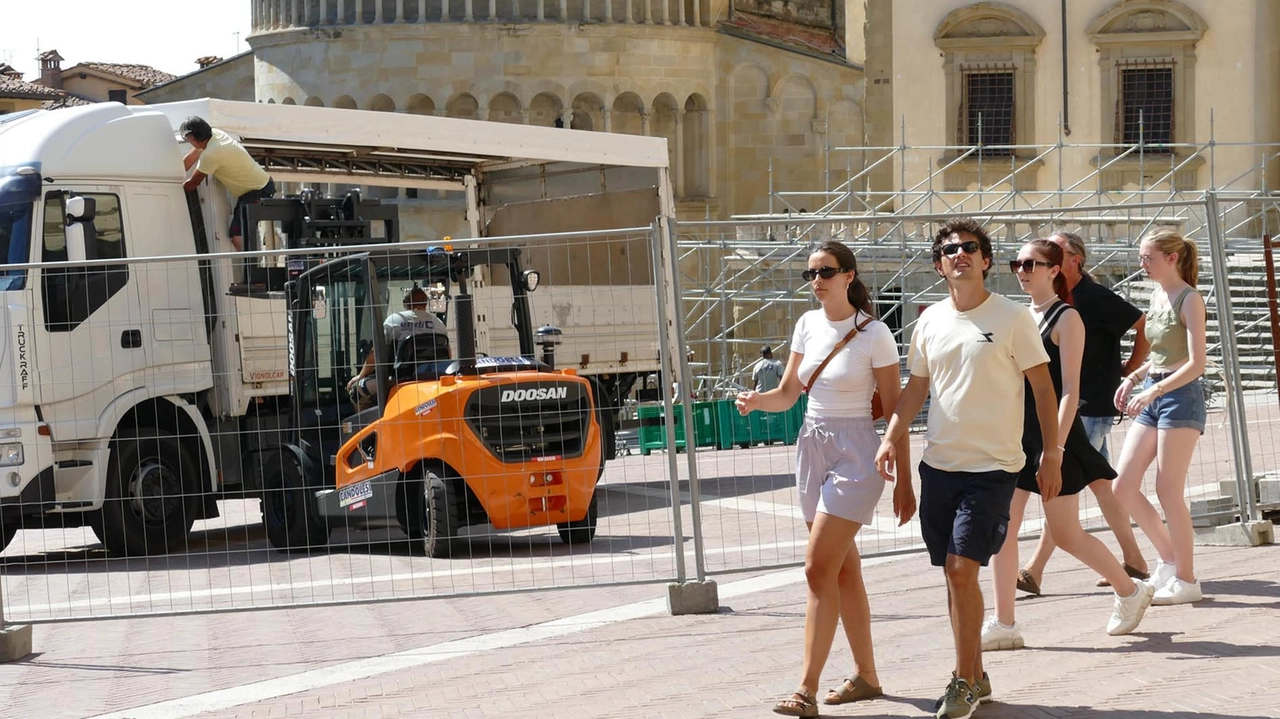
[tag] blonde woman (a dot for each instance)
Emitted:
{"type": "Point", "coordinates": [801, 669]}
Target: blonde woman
{"type": "Point", "coordinates": [1166, 400]}
{"type": "Point", "coordinates": [841, 355]}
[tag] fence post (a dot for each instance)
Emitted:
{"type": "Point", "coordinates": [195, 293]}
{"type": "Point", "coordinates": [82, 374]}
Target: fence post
{"type": "Point", "coordinates": [700, 595]}
{"type": "Point", "coordinates": [15, 641]}
{"type": "Point", "coordinates": [1243, 464]}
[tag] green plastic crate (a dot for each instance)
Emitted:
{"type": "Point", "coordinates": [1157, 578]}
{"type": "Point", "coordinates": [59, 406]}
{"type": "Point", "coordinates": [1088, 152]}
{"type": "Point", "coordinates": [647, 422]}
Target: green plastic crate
{"type": "Point", "coordinates": [758, 427]}
{"type": "Point", "coordinates": [652, 433]}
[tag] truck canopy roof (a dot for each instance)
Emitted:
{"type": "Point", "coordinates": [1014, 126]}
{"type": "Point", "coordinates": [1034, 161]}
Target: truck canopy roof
{"type": "Point", "coordinates": [309, 144]}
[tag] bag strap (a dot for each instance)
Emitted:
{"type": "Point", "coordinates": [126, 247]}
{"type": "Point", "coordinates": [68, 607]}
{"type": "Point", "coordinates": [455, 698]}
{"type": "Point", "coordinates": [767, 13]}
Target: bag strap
{"type": "Point", "coordinates": [839, 346]}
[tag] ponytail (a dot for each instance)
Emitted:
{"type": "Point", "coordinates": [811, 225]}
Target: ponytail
{"type": "Point", "coordinates": [860, 297]}
{"type": "Point", "coordinates": [1189, 263]}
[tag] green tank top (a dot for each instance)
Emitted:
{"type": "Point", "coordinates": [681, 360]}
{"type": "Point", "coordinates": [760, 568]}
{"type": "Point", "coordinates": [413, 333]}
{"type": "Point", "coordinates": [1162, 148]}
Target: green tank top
{"type": "Point", "coordinates": [1167, 334]}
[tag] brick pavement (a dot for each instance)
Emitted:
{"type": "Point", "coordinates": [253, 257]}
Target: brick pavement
{"type": "Point", "coordinates": [1215, 660]}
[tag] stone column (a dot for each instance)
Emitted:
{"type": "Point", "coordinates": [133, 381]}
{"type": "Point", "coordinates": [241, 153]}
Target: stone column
{"type": "Point", "coordinates": [564, 10]}
{"type": "Point", "coordinates": [608, 10]}
{"type": "Point", "coordinates": [377, 12]}
{"type": "Point", "coordinates": [444, 10]}
{"type": "Point", "coordinates": [680, 12]}
{"type": "Point", "coordinates": [524, 116]}
{"type": "Point", "coordinates": [399, 10]}
{"type": "Point", "coordinates": [493, 10]}
{"type": "Point", "coordinates": [648, 12]}
{"type": "Point", "coordinates": [422, 10]}
{"type": "Point", "coordinates": [359, 12]}
{"type": "Point", "coordinates": [542, 11]}
{"type": "Point", "coordinates": [629, 16]}
{"type": "Point", "coordinates": [678, 170]}
{"type": "Point", "coordinates": [607, 114]}
{"type": "Point", "coordinates": [644, 123]}
{"type": "Point", "coordinates": [666, 10]}
{"type": "Point", "coordinates": [342, 11]}
{"type": "Point", "coordinates": [468, 14]}
{"type": "Point", "coordinates": [566, 117]}
{"type": "Point", "coordinates": [697, 13]}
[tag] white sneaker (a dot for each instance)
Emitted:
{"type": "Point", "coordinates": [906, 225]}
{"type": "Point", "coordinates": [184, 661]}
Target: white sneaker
{"type": "Point", "coordinates": [1163, 574]}
{"type": "Point", "coordinates": [997, 637]}
{"type": "Point", "coordinates": [1127, 612]}
{"type": "Point", "coordinates": [1177, 592]}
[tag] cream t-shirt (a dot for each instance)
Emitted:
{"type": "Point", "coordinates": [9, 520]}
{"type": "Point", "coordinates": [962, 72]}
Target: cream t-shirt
{"type": "Point", "coordinates": [975, 362]}
{"type": "Point", "coordinates": [225, 160]}
{"type": "Point", "coordinates": [846, 384]}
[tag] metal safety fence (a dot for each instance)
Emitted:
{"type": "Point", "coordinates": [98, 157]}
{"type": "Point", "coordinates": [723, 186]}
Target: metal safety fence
{"type": "Point", "coordinates": [741, 291]}
{"type": "Point", "coordinates": [198, 445]}
{"type": "Point", "coordinates": [362, 423]}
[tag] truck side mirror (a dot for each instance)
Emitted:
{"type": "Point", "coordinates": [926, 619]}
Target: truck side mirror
{"type": "Point", "coordinates": [80, 213]}
{"type": "Point", "coordinates": [531, 278]}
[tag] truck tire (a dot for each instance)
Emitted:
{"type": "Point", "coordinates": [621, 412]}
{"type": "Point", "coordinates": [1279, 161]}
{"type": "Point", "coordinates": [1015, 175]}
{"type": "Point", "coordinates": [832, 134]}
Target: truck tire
{"type": "Point", "coordinates": [151, 501]}
{"type": "Point", "coordinates": [583, 530]}
{"type": "Point", "coordinates": [441, 516]}
{"type": "Point", "coordinates": [289, 509]}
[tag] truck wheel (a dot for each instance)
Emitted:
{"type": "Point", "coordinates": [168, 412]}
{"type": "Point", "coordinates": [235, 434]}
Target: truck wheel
{"type": "Point", "coordinates": [441, 515]}
{"type": "Point", "coordinates": [289, 509]}
{"type": "Point", "coordinates": [583, 530]}
{"type": "Point", "coordinates": [149, 507]}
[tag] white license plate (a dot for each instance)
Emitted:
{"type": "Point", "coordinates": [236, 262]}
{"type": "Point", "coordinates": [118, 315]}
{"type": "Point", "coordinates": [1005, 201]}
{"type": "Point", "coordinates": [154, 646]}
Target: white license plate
{"type": "Point", "coordinates": [353, 493]}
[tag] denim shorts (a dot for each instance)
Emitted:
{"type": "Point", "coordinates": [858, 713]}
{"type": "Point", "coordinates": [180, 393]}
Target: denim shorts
{"type": "Point", "coordinates": [1181, 408]}
{"type": "Point", "coordinates": [964, 513]}
{"type": "Point", "coordinates": [1099, 431]}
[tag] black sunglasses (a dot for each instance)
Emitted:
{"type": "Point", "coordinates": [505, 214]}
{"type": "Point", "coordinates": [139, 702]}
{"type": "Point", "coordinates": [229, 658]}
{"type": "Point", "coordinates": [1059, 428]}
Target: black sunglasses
{"type": "Point", "coordinates": [970, 247]}
{"type": "Point", "coordinates": [1027, 266]}
{"type": "Point", "coordinates": [824, 272]}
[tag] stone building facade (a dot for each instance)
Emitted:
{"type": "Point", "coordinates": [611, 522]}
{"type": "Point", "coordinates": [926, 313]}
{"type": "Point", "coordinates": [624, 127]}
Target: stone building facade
{"type": "Point", "coordinates": [735, 90]}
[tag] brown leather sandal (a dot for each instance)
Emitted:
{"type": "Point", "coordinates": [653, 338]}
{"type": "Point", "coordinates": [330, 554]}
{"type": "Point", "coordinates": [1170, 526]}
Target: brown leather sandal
{"type": "Point", "coordinates": [1134, 573]}
{"type": "Point", "coordinates": [1028, 583]}
{"type": "Point", "coordinates": [799, 704]}
{"type": "Point", "coordinates": [854, 689]}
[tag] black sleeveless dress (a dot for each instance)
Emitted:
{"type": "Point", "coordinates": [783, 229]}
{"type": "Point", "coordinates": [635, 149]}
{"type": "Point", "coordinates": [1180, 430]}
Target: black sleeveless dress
{"type": "Point", "coordinates": [1081, 463]}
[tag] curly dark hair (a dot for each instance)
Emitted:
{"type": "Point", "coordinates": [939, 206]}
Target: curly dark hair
{"type": "Point", "coordinates": [968, 226]}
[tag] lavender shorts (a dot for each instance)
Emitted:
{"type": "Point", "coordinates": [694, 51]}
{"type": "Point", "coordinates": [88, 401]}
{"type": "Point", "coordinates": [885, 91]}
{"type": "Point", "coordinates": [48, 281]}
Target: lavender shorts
{"type": "Point", "coordinates": [835, 468]}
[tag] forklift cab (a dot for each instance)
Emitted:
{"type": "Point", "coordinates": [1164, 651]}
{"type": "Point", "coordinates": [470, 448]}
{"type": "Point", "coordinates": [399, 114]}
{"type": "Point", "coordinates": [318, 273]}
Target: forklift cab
{"type": "Point", "coordinates": [338, 315]}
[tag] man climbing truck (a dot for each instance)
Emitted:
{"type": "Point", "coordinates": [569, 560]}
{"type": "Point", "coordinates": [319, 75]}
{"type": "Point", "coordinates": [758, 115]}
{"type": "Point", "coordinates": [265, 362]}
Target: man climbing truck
{"type": "Point", "coordinates": [446, 441]}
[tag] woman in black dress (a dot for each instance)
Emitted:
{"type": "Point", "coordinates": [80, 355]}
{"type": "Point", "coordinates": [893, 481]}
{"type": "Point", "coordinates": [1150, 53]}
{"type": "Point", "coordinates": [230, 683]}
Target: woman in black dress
{"type": "Point", "coordinates": [1039, 270]}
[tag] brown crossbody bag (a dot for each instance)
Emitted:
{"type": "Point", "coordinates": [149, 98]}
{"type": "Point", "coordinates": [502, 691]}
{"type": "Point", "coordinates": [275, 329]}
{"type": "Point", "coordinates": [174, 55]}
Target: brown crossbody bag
{"type": "Point", "coordinates": [877, 409]}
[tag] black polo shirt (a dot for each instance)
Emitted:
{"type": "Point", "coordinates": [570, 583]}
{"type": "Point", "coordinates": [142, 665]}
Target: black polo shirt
{"type": "Point", "coordinates": [1107, 317]}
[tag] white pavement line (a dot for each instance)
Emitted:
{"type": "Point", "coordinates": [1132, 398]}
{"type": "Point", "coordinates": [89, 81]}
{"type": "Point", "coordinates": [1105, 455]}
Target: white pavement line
{"type": "Point", "coordinates": [348, 672]}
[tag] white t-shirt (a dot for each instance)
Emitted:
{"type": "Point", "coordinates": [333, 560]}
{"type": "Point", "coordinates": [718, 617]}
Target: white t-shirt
{"type": "Point", "coordinates": [846, 384]}
{"type": "Point", "coordinates": [406, 323]}
{"type": "Point", "coordinates": [975, 362]}
{"type": "Point", "coordinates": [227, 161]}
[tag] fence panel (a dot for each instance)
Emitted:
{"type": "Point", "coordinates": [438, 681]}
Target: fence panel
{"type": "Point", "coordinates": [741, 290]}
{"type": "Point", "coordinates": [142, 390]}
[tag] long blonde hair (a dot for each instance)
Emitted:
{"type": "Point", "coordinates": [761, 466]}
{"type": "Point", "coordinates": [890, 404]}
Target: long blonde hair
{"type": "Point", "coordinates": [1172, 242]}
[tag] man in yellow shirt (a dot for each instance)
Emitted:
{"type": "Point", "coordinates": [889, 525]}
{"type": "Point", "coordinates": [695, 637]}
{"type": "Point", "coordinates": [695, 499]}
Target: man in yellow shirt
{"type": "Point", "coordinates": [214, 152]}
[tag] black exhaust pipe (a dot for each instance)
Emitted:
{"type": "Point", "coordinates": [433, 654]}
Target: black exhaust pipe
{"type": "Point", "coordinates": [463, 309]}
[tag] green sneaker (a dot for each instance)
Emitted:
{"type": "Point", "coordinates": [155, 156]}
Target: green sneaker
{"type": "Point", "coordinates": [959, 701]}
{"type": "Point", "coordinates": [981, 691]}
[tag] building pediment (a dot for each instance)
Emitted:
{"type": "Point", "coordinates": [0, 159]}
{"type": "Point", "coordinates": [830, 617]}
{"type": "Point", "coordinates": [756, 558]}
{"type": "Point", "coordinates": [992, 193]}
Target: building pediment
{"type": "Point", "coordinates": [987, 23]}
{"type": "Point", "coordinates": [1147, 20]}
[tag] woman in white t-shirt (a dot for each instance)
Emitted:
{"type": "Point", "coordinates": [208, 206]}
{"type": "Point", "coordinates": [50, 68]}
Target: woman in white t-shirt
{"type": "Point", "coordinates": [836, 476]}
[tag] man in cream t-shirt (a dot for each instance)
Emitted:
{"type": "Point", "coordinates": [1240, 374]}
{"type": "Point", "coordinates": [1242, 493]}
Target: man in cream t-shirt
{"type": "Point", "coordinates": [972, 351]}
{"type": "Point", "coordinates": [214, 152]}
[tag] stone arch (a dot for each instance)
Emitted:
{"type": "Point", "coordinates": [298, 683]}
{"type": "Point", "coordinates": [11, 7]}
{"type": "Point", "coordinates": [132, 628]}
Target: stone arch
{"type": "Point", "coordinates": [313, 101]}
{"type": "Point", "coordinates": [382, 103]}
{"type": "Point", "coordinates": [420, 104]}
{"type": "Point", "coordinates": [545, 109]}
{"type": "Point", "coordinates": [463, 105]}
{"type": "Point", "coordinates": [505, 107]}
{"type": "Point", "coordinates": [628, 116]}
{"type": "Point", "coordinates": [796, 85]}
{"type": "Point", "coordinates": [845, 128]}
{"type": "Point", "coordinates": [271, 101]}
{"type": "Point", "coordinates": [695, 149]}
{"type": "Point", "coordinates": [346, 102]}
{"type": "Point", "coordinates": [588, 112]}
{"type": "Point", "coordinates": [985, 20]}
{"type": "Point", "coordinates": [749, 125]}
{"type": "Point", "coordinates": [288, 101]}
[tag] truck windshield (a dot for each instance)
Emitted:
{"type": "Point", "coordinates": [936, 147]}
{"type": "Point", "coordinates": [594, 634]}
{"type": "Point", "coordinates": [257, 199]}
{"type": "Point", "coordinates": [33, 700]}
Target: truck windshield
{"type": "Point", "coordinates": [15, 243]}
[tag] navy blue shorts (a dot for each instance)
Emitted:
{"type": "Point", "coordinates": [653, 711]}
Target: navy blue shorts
{"type": "Point", "coordinates": [964, 513]}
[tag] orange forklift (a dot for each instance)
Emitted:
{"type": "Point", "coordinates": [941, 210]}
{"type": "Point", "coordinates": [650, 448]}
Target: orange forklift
{"type": "Point", "coordinates": [440, 439]}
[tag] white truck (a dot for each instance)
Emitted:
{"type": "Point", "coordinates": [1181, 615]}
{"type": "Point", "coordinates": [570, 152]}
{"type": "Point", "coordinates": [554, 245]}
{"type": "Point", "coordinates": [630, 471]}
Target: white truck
{"type": "Point", "coordinates": [136, 387]}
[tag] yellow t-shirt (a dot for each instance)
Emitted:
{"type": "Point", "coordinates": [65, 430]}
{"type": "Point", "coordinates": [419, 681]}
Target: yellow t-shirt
{"type": "Point", "coordinates": [227, 161]}
{"type": "Point", "coordinates": [975, 362]}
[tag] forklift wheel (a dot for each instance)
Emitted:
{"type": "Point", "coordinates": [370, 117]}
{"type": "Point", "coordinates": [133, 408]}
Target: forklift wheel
{"type": "Point", "coordinates": [441, 515]}
{"type": "Point", "coordinates": [289, 509]}
{"type": "Point", "coordinates": [583, 530]}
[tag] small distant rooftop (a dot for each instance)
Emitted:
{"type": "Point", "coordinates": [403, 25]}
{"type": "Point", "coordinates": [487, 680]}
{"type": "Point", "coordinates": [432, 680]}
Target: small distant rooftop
{"type": "Point", "coordinates": [810, 40]}
{"type": "Point", "coordinates": [144, 75]}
